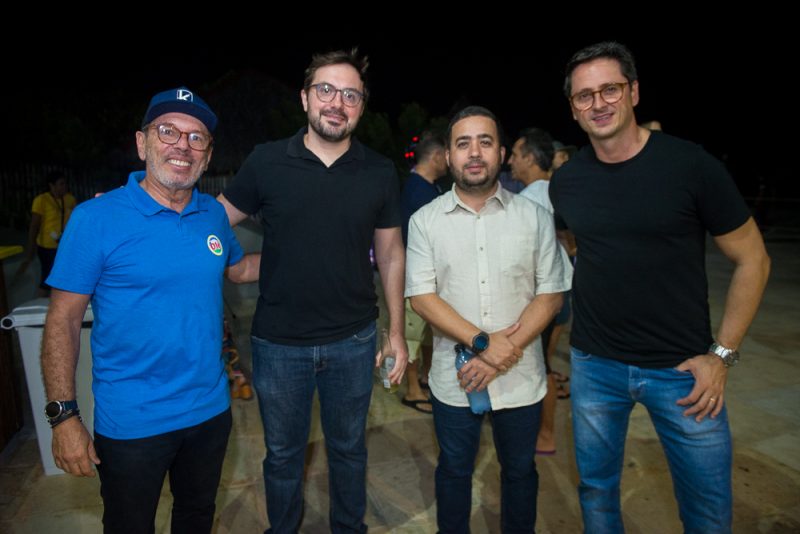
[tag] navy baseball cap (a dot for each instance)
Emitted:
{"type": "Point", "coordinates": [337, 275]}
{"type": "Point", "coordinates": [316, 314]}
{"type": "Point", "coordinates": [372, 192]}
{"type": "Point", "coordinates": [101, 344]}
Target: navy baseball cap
{"type": "Point", "coordinates": [180, 100]}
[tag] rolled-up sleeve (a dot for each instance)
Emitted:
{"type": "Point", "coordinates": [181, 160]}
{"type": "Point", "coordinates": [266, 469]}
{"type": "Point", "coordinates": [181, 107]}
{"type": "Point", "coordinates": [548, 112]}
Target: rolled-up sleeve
{"type": "Point", "coordinates": [420, 270]}
{"type": "Point", "coordinates": [553, 270]}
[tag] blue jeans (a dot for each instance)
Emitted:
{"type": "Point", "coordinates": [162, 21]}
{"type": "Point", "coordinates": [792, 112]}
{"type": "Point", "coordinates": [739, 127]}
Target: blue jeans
{"type": "Point", "coordinates": [132, 474]}
{"type": "Point", "coordinates": [285, 378]}
{"type": "Point", "coordinates": [458, 431]}
{"type": "Point", "coordinates": [604, 392]}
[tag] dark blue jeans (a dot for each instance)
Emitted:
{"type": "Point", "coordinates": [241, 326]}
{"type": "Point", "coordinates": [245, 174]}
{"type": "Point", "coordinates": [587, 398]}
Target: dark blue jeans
{"type": "Point", "coordinates": [132, 473]}
{"type": "Point", "coordinates": [285, 378]}
{"type": "Point", "coordinates": [458, 431]}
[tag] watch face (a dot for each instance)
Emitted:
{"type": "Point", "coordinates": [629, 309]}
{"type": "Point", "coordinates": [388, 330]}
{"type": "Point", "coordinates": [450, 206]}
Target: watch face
{"type": "Point", "coordinates": [481, 342]}
{"type": "Point", "coordinates": [53, 409]}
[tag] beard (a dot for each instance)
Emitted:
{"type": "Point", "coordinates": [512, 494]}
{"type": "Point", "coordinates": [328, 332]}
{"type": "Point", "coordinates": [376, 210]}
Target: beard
{"type": "Point", "coordinates": [164, 178]}
{"type": "Point", "coordinates": [328, 132]}
{"type": "Point", "coordinates": [477, 184]}
{"type": "Point", "coordinates": [157, 167]}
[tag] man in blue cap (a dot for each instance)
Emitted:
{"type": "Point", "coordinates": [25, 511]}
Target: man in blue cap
{"type": "Point", "coordinates": [150, 256]}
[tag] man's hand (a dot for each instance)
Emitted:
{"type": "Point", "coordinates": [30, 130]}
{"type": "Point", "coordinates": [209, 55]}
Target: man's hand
{"type": "Point", "coordinates": [73, 448]}
{"type": "Point", "coordinates": [400, 359]}
{"type": "Point", "coordinates": [476, 375]}
{"type": "Point", "coordinates": [708, 394]}
{"type": "Point", "coordinates": [502, 353]}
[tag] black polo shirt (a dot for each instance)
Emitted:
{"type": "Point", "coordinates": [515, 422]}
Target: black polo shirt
{"type": "Point", "coordinates": [316, 279]}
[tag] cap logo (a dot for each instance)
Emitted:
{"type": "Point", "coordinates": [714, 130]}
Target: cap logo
{"type": "Point", "coordinates": [180, 100]}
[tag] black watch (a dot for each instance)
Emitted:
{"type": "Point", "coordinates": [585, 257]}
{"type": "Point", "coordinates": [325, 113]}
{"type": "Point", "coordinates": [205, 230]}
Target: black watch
{"type": "Point", "coordinates": [480, 342]}
{"type": "Point", "coordinates": [59, 411]}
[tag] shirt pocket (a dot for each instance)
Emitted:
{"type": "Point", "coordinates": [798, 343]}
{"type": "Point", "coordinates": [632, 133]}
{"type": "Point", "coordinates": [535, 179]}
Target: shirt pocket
{"type": "Point", "coordinates": [517, 266]}
{"type": "Point", "coordinates": [516, 256]}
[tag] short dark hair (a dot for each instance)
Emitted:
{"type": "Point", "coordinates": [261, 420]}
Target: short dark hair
{"type": "Point", "coordinates": [54, 176]}
{"type": "Point", "coordinates": [539, 143]}
{"type": "Point", "coordinates": [472, 111]}
{"type": "Point", "coordinates": [607, 50]}
{"type": "Point", "coordinates": [338, 57]}
{"type": "Point", "coordinates": [429, 142]}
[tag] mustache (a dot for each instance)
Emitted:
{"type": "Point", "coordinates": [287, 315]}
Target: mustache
{"type": "Point", "coordinates": [478, 161]}
{"type": "Point", "coordinates": [335, 113]}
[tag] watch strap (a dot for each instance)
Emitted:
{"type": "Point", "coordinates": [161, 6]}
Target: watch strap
{"type": "Point", "coordinates": [64, 416]}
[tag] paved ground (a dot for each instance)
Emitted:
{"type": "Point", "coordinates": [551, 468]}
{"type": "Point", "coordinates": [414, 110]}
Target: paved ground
{"type": "Point", "coordinates": [763, 398]}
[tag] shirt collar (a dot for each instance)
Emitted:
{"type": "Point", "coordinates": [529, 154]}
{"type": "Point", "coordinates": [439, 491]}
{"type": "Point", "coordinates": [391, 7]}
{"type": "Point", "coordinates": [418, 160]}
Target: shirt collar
{"type": "Point", "coordinates": [297, 149]}
{"type": "Point", "coordinates": [501, 195]}
{"type": "Point", "coordinates": [147, 205]}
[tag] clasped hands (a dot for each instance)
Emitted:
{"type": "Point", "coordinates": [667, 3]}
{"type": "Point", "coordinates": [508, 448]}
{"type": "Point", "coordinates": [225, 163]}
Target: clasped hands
{"type": "Point", "coordinates": [499, 357]}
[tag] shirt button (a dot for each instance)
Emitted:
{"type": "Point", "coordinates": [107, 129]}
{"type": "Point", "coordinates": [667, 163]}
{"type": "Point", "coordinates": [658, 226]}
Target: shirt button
{"type": "Point", "coordinates": [483, 281]}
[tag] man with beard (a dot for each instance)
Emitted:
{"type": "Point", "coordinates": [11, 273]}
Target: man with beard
{"type": "Point", "coordinates": [150, 256]}
{"type": "Point", "coordinates": [485, 271]}
{"type": "Point", "coordinates": [323, 198]}
{"type": "Point", "coordinates": [640, 204]}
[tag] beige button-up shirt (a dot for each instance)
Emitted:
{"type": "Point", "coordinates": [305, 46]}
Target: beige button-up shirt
{"type": "Point", "coordinates": [488, 266]}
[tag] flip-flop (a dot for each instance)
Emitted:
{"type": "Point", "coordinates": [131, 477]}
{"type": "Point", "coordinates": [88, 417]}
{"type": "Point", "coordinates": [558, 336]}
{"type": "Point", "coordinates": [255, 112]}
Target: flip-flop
{"type": "Point", "coordinates": [415, 404]}
{"type": "Point", "coordinates": [424, 385]}
{"type": "Point", "coordinates": [546, 453]}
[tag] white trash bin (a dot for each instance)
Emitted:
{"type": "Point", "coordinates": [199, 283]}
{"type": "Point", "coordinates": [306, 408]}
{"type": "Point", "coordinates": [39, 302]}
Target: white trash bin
{"type": "Point", "coordinates": [28, 320]}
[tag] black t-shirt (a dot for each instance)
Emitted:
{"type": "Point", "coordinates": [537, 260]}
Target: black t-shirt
{"type": "Point", "coordinates": [640, 288]}
{"type": "Point", "coordinates": [316, 278]}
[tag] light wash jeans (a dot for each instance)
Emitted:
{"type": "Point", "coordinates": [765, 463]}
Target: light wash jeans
{"type": "Point", "coordinates": [604, 392]}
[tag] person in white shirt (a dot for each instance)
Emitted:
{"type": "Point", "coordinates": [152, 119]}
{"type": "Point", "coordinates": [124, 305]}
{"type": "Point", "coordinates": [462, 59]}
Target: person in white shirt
{"type": "Point", "coordinates": [532, 160]}
{"type": "Point", "coordinates": [484, 269]}
{"type": "Point", "coordinates": [531, 164]}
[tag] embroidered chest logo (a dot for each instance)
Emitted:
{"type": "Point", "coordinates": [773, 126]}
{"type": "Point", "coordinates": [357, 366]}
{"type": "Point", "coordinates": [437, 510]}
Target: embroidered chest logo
{"type": "Point", "coordinates": [214, 245]}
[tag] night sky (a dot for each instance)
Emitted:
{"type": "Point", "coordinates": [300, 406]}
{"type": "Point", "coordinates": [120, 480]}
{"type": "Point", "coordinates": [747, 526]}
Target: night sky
{"type": "Point", "coordinates": [717, 87]}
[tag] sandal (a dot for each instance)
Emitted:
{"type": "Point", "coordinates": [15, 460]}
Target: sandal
{"type": "Point", "coordinates": [416, 405]}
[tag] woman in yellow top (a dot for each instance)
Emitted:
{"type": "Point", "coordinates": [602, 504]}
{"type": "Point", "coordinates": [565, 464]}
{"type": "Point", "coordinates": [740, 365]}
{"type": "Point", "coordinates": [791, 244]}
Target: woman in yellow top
{"type": "Point", "coordinates": [49, 216]}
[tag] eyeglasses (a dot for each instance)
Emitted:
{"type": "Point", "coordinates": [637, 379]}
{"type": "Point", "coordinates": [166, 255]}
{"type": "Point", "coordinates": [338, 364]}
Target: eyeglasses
{"type": "Point", "coordinates": [327, 92]}
{"type": "Point", "coordinates": [170, 135]}
{"type": "Point", "coordinates": [611, 93]}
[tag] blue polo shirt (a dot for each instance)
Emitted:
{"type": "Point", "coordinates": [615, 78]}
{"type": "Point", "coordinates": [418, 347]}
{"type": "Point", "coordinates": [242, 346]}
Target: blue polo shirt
{"type": "Point", "coordinates": [155, 277]}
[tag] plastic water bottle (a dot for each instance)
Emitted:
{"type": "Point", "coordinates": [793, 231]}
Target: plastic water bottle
{"type": "Point", "coordinates": [479, 401]}
{"type": "Point", "coordinates": [388, 358]}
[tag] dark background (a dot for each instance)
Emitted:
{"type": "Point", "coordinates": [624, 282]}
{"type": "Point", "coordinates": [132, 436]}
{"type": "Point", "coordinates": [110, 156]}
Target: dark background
{"type": "Point", "coordinates": [78, 101]}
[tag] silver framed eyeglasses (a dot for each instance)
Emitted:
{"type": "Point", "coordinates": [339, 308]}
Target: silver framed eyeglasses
{"type": "Point", "coordinates": [169, 134]}
{"type": "Point", "coordinates": [611, 93]}
{"type": "Point", "coordinates": [327, 92]}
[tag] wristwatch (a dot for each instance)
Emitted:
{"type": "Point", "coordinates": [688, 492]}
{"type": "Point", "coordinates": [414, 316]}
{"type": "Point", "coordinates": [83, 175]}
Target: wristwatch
{"type": "Point", "coordinates": [59, 411]}
{"type": "Point", "coordinates": [729, 356]}
{"type": "Point", "coordinates": [480, 342]}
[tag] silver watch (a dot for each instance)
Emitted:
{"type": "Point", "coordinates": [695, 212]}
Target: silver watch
{"type": "Point", "coordinates": [729, 356]}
